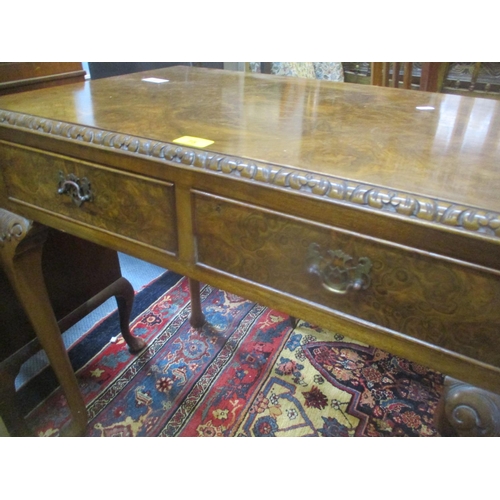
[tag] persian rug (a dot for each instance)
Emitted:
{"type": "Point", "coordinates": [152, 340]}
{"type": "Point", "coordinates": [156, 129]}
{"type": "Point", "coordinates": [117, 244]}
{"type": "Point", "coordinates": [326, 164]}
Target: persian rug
{"type": "Point", "coordinates": [247, 372]}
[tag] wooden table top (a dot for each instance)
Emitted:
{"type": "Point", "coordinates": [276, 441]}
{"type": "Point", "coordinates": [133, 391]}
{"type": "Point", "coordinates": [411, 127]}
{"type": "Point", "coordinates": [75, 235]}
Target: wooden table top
{"type": "Point", "coordinates": [444, 147]}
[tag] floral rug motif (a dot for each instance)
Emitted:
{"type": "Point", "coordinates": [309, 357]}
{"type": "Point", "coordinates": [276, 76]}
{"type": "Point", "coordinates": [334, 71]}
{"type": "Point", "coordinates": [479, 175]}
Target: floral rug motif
{"type": "Point", "coordinates": [320, 387]}
{"type": "Point", "coordinates": [246, 372]}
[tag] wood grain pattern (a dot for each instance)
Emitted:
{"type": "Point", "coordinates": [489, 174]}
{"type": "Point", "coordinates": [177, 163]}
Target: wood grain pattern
{"type": "Point", "coordinates": [406, 179]}
{"type": "Point", "coordinates": [365, 134]}
{"type": "Point", "coordinates": [470, 411]}
{"type": "Point", "coordinates": [22, 76]}
{"type": "Point", "coordinates": [445, 304]}
{"type": "Point", "coordinates": [20, 257]}
{"type": "Point", "coordinates": [118, 206]}
{"type": "Point", "coordinates": [405, 204]}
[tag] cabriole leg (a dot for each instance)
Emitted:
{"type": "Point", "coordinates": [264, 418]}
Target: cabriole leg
{"type": "Point", "coordinates": [468, 411]}
{"type": "Point", "coordinates": [197, 318]}
{"type": "Point", "coordinates": [21, 243]}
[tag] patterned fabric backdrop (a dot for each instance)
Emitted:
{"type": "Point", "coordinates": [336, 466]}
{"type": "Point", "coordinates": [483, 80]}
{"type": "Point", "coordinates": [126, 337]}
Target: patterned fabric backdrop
{"type": "Point", "coordinates": [332, 71]}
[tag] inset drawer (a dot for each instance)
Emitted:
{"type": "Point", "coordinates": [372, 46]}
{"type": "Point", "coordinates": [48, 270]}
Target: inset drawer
{"type": "Point", "coordinates": [439, 301]}
{"type": "Point", "coordinates": [124, 204]}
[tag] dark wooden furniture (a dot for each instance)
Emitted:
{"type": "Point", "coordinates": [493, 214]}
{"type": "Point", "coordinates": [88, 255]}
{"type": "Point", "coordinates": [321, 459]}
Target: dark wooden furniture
{"type": "Point", "coordinates": [363, 209]}
{"type": "Point", "coordinates": [400, 75]}
{"type": "Point", "coordinates": [78, 275]}
{"type": "Point", "coordinates": [475, 79]}
{"type": "Point", "coordinates": [472, 79]}
{"type": "Point", "coordinates": [22, 76]}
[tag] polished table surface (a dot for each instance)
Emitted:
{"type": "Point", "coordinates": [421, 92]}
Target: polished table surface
{"type": "Point", "coordinates": [361, 133]}
{"type": "Point", "coordinates": [296, 175]}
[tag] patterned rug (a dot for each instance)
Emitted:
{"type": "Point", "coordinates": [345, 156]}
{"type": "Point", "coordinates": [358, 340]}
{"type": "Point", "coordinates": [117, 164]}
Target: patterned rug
{"type": "Point", "coordinates": [247, 372]}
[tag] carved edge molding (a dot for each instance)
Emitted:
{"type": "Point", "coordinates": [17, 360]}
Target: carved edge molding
{"type": "Point", "coordinates": [471, 411]}
{"type": "Point", "coordinates": [18, 235]}
{"type": "Point", "coordinates": [13, 228]}
{"type": "Point", "coordinates": [405, 204]}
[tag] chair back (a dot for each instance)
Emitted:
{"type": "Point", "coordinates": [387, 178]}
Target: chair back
{"type": "Point", "coordinates": [400, 75]}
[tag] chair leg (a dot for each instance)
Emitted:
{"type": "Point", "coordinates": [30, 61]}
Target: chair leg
{"type": "Point", "coordinates": [10, 411]}
{"type": "Point", "coordinates": [197, 318]}
{"type": "Point", "coordinates": [124, 295]}
{"type": "Point", "coordinates": [21, 244]}
{"type": "Point", "coordinates": [123, 292]}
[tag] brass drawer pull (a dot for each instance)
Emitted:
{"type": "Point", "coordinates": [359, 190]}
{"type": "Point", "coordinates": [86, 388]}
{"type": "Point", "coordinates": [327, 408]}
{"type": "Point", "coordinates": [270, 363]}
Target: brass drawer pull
{"type": "Point", "coordinates": [79, 189]}
{"type": "Point", "coordinates": [337, 271]}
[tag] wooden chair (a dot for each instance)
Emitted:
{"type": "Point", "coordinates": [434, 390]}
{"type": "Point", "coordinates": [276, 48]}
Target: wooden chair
{"type": "Point", "coordinates": [79, 275]}
{"type": "Point", "coordinates": [400, 75]}
{"type": "Point", "coordinates": [476, 79]}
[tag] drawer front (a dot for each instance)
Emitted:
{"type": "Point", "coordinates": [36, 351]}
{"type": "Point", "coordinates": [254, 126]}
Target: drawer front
{"type": "Point", "coordinates": [126, 205]}
{"type": "Point", "coordinates": [441, 302]}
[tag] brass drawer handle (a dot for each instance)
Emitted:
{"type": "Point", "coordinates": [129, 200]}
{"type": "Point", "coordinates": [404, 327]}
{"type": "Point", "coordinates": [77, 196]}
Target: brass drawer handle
{"type": "Point", "coordinates": [79, 189]}
{"type": "Point", "coordinates": [337, 271]}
